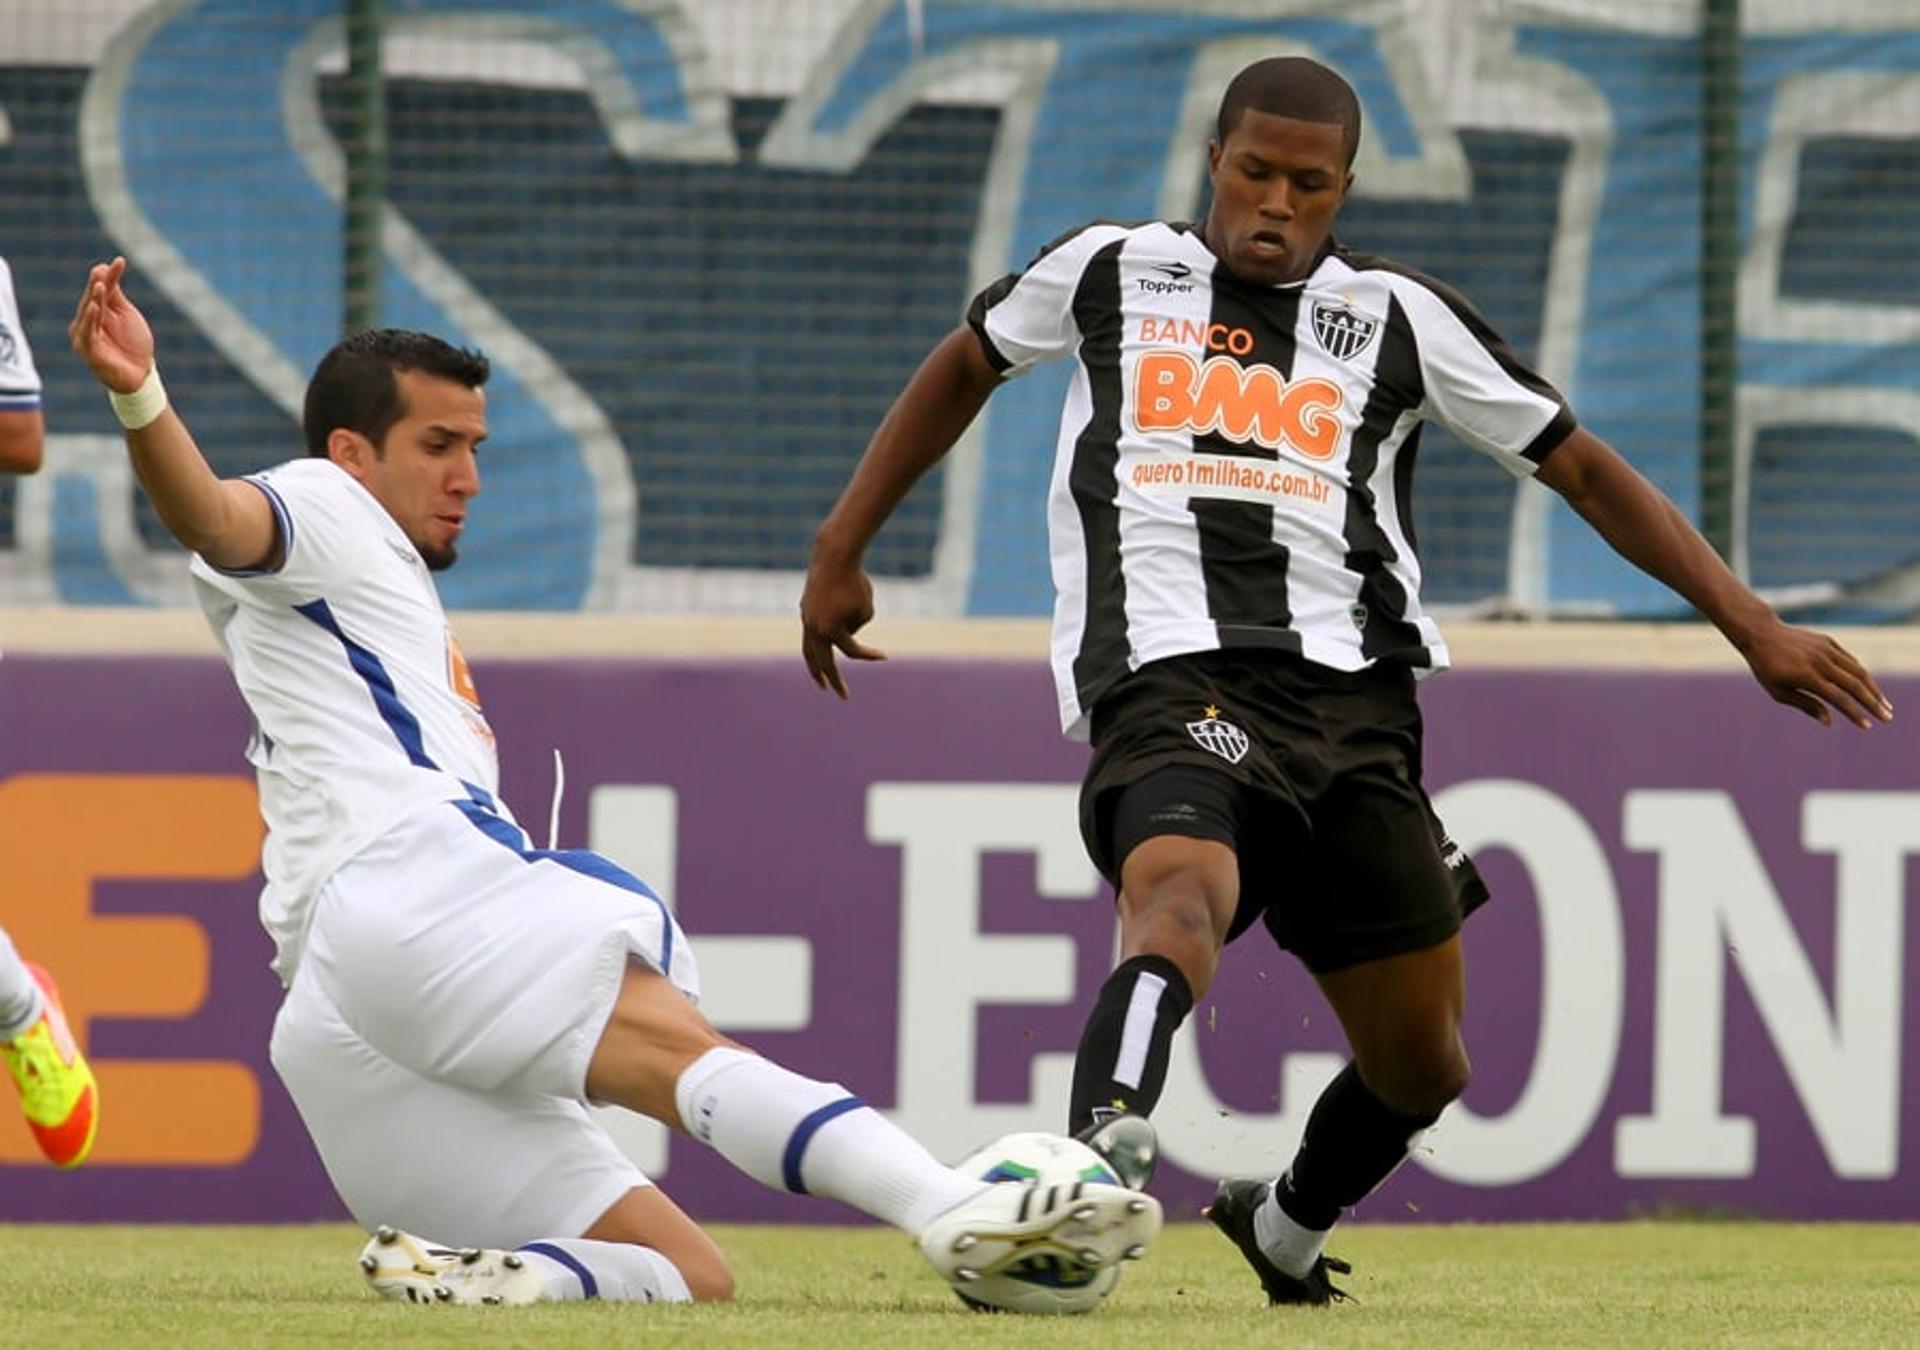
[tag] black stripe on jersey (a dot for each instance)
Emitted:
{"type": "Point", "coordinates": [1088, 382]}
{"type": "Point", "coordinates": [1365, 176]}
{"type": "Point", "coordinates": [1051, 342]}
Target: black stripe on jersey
{"type": "Point", "coordinates": [1093, 478]}
{"type": "Point", "coordinates": [1562, 424]}
{"type": "Point", "coordinates": [1397, 387]}
{"type": "Point", "coordinates": [1243, 566]}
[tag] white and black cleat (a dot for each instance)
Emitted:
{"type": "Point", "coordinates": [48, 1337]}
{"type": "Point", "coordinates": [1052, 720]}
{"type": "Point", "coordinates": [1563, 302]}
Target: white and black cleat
{"type": "Point", "coordinates": [1128, 1144]}
{"type": "Point", "coordinates": [1084, 1223]}
{"type": "Point", "coordinates": [409, 1269]}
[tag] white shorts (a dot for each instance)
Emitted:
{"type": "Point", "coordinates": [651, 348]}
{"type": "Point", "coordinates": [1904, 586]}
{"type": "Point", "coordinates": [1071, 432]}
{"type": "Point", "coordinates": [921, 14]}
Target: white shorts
{"type": "Point", "coordinates": [437, 1034]}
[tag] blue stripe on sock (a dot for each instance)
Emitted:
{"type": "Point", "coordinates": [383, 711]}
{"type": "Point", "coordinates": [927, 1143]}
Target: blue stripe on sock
{"type": "Point", "coordinates": [803, 1135]}
{"type": "Point", "coordinates": [588, 1285]}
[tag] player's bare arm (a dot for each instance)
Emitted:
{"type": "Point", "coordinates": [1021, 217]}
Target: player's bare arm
{"type": "Point", "coordinates": [223, 520]}
{"type": "Point", "coordinates": [944, 396]}
{"type": "Point", "coordinates": [23, 438]}
{"type": "Point", "coordinates": [1797, 667]}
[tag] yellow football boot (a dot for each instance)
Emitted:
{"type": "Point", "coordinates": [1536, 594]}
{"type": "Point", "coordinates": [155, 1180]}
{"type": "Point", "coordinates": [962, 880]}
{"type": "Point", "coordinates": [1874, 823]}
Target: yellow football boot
{"type": "Point", "coordinates": [57, 1091]}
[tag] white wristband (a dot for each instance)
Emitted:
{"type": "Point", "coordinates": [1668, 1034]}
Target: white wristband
{"type": "Point", "coordinates": [144, 404]}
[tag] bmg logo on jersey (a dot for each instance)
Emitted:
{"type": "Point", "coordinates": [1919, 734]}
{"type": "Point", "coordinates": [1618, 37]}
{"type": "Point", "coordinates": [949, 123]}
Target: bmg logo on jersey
{"type": "Point", "coordinates": [1174, 392]}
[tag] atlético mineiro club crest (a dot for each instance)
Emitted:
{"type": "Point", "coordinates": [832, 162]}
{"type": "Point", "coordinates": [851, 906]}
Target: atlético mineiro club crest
{"type": "Point", "coordinates": [1222, 738]}
{"type": "Point", "coordinates": [1342, 333]}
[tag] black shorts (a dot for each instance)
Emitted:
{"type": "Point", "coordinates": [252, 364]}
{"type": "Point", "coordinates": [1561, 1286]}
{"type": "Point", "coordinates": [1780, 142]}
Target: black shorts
{"type": "Point", "coordinates": [1311, 775]}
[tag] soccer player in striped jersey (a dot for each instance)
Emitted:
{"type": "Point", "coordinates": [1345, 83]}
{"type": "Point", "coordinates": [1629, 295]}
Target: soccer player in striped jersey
{"type": "Point", "coordinates": [1238, 626]}
{"type": "Point", "coordinates": [58, 1094]}
{"type": "Point", "coordinates": [456, 996]}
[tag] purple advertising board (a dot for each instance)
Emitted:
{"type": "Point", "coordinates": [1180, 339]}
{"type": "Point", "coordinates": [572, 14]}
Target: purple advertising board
{"type": "Point", "coordinates": [1690, 993]}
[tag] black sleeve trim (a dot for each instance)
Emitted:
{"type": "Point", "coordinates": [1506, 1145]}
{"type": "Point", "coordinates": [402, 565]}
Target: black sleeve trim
{"type": "Point", "coordinates": [977, 320]}
{"type": "Point", "coordinates": [1551, 437]}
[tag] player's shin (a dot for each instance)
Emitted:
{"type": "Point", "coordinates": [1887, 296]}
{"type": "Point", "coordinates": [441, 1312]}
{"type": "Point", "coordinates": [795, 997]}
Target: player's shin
{"type": "Point", "coordinates": [1121, 1065]}
{"type": "Point", "coordinates": [814, 1138]}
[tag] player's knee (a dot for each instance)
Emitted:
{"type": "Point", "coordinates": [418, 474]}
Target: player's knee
{"type": "Point", "coordinates": [1181, 932]}
{"type": "Point", "coordinates": [1429, 1086]}
{"type": "Point", "coordinates": [708, 1278]}
{"type": "Point", "coordinates": [1179, 903]}
{"type": "Point", "coordinates": [1419, 1079]}
{"type": "Point", "coordinates": [1182, 918]}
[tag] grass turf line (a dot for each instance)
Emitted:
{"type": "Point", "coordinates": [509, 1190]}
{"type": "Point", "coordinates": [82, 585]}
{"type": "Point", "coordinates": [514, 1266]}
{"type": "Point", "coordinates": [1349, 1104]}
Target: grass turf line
{"type": "Point", "coordinates": [1633, 1284]}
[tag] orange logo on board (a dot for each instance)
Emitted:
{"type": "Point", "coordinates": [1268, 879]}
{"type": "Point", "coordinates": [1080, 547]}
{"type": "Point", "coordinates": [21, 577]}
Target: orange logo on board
{"type": "Point", "coordinates": [1174, 392]}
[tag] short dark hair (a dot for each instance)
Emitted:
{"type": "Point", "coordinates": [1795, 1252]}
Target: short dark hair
{"type": "Point", "coordinates": [355, 384]}
{"type": "Point", "coordinates": [1292, 86]}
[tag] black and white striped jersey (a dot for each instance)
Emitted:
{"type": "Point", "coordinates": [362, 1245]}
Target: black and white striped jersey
{"type": "Point", "coordinates": [1234, 465]}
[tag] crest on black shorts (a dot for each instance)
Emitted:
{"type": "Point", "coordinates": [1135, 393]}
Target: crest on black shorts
{"type": "Point", "coordinates": [1341, 332]}
{"type": "Point", "coordinates": [1222, 738]}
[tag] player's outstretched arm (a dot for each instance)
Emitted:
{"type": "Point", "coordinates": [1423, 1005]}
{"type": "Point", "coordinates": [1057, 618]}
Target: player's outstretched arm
{"type": "Point", "coordinates": [225, 521]}
{"type": "Point", "coordinates": [23, 431]}
{"type": "Point", "coordinates": [1798, 667]}
{"type": "Point", "coordinates": [939, 402]}
{"type": "Point", "coordinates": [23, 438]}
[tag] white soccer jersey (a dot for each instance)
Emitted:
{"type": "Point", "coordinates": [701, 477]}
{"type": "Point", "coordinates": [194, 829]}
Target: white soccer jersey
{"type": "Point", "coordinates": [19, 381]}
{"type": "Point", "coordinates": [362, 704]}
{"type": "Point", "coordinates": [1234, 461]}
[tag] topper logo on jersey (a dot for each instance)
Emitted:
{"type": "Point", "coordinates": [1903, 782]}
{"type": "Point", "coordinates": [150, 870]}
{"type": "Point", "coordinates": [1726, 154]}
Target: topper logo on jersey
{"type": "Point", "coordinates": [1174, 392]}
{"type": "Point", "coordinates": [1341, 333]}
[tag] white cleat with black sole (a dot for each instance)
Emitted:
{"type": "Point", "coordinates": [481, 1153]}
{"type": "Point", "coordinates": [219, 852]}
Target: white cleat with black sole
{"type": "Point", "coordinates": [411, 1269]}
{"type": "Point", "coordinates": [1085, 1223]}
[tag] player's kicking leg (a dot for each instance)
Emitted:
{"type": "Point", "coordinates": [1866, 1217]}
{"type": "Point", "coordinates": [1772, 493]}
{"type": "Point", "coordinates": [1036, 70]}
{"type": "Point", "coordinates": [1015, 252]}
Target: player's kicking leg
{"type": "Point", "coordinates": [58, 1094]}
{"type": "Point", "coordinates": [659, 1056]}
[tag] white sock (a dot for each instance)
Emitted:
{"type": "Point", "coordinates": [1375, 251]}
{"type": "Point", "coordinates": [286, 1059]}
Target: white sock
{"type": "Point", "coordinates": [815, 1138]}
{"type": "Point", "coordinates": [1288, 1245]}
{"type": "Point", "coordinates": [20, 1000]}
{"type": "Point", "coordinates": [572, 1269]}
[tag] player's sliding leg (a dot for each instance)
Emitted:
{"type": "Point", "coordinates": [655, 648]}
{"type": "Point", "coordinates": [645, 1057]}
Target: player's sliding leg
{"type": "Point", "coordinates": [644, 1249]}
{"type": "Point", "coordinates": [58, 1094]}
{"type": "Point", "coordinates": [413, 1269]}
{"type": "Point", "coordinates": [474, 1175]}
{"type": "Point", "coordinates": [659, 1056]}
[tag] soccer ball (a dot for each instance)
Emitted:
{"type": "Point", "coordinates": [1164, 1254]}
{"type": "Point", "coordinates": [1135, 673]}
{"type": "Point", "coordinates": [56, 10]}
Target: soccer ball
{"type": "Point", "coordinates": [1045, 1283]}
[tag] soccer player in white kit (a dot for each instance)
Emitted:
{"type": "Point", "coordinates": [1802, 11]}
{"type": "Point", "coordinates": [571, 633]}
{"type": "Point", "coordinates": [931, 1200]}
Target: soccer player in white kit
{"type": "Point", "coordinates": [455, 996]}
{"type": "Point", "coordinates": [58, 1094]}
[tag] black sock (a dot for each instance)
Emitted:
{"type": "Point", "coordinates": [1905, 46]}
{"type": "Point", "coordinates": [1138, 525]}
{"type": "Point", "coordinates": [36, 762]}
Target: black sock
{"type": "Point", "coordinates": [1102, 1083]}
{"type": "Point", "coordinates": [1353, 1141]}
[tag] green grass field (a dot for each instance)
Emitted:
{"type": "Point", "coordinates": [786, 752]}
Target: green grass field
{"type": "Point", "coordinates": [1664, 1283]}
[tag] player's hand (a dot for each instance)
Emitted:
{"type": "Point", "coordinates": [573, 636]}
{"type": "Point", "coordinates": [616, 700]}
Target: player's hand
{"type": "Point", "coordinates": [1812, 672]}
{"type": "Point", "coordinates": [109, 333]}
{"type": "Point", "coordinates": [836, 604]}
